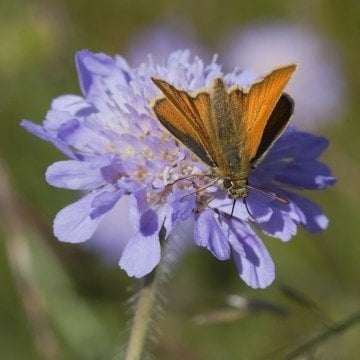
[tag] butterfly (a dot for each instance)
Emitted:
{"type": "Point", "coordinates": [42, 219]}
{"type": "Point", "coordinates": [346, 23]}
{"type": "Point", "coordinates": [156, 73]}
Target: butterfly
{"type": "Point", "coordinates": [230, 129]}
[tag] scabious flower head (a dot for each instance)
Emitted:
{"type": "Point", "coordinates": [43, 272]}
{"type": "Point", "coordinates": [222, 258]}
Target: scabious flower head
{"type": "Point", "coordinates": [117, 148]}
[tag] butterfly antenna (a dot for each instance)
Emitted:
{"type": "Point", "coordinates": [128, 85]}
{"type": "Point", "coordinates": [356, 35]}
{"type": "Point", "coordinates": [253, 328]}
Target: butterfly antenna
{"type": "Point", "coordinates": [233, 208]}
{"type": "Point", "coordinates": [200, 189]}
{"type": "Point", "coordinates": [278, 198]}
{"type": "Point", "coordinates": [186, 178]}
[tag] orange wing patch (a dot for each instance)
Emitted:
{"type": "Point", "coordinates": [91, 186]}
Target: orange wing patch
{"type": "Point", "coordinates": [186, 118]}
{"type": "Point", "coordinates": [253, 109]}
{"type": "Point", "coordinates": [260, 103]}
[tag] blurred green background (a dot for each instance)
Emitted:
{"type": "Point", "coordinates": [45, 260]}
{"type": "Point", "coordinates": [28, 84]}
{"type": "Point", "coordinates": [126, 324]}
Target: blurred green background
{"type": "Point", "coordinates": [86, 299]}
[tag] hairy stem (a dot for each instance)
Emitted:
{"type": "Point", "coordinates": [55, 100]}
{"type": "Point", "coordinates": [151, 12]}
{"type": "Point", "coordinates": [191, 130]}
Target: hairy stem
{"type": "Point", "coordinates": [144, 309]}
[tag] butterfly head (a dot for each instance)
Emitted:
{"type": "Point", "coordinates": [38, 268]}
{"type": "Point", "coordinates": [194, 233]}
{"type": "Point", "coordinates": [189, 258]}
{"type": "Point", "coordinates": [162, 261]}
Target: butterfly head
{"type": "Point", "coordinates": [236, 188]}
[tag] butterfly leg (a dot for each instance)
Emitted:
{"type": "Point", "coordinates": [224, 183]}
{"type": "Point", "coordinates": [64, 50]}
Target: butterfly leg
{"type": "Point", "coordinates": [203, 206]}
{"type": "Point", "coordinates": [233, 208]}
{"type": "Point", "coordinates": [248, 210]}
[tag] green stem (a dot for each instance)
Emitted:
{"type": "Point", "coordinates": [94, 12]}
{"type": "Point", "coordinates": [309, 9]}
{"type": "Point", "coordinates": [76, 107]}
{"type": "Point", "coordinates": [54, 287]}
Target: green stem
{"type": "Point", "coordinates": [144, 310]}
{"type": "Point", "coordinates": [318, 339]}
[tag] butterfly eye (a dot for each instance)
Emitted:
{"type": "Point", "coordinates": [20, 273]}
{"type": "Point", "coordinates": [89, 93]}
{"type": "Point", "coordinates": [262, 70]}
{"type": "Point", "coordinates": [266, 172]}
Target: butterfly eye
{"type": "Point", "coordinates": [227, 184]}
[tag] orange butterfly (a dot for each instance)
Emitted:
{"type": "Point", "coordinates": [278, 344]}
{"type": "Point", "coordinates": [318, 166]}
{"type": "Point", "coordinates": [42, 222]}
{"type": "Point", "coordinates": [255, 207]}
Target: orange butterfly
{"type": "Point", "coordinates": [229, 129]}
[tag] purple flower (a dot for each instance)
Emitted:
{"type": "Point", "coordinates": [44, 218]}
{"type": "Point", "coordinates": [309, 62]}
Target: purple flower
{"type": "Point", "coordinates": [118, 149]}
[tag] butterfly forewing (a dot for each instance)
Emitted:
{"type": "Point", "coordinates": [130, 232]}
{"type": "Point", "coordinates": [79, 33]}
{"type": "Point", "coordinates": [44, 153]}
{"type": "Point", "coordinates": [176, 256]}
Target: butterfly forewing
{"type": "Point", "coordinates": [277, 123]}
{"type": "Point", "coordinates": [186, 118]}
{"type": "Point", "coordinates": [257, 105]}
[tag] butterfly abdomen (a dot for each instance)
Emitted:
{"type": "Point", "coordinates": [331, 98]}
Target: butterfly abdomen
{"type": "Point", "coordinates": [222, 129]}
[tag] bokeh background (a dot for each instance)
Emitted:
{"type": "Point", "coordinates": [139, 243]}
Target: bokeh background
{"type": "Point", "coordinates": [63, 301]}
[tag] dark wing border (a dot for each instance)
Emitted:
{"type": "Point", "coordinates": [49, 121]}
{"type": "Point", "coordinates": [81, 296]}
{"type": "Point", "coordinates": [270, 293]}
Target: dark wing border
{"type": "Point", "coordinates": [276, 125]}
